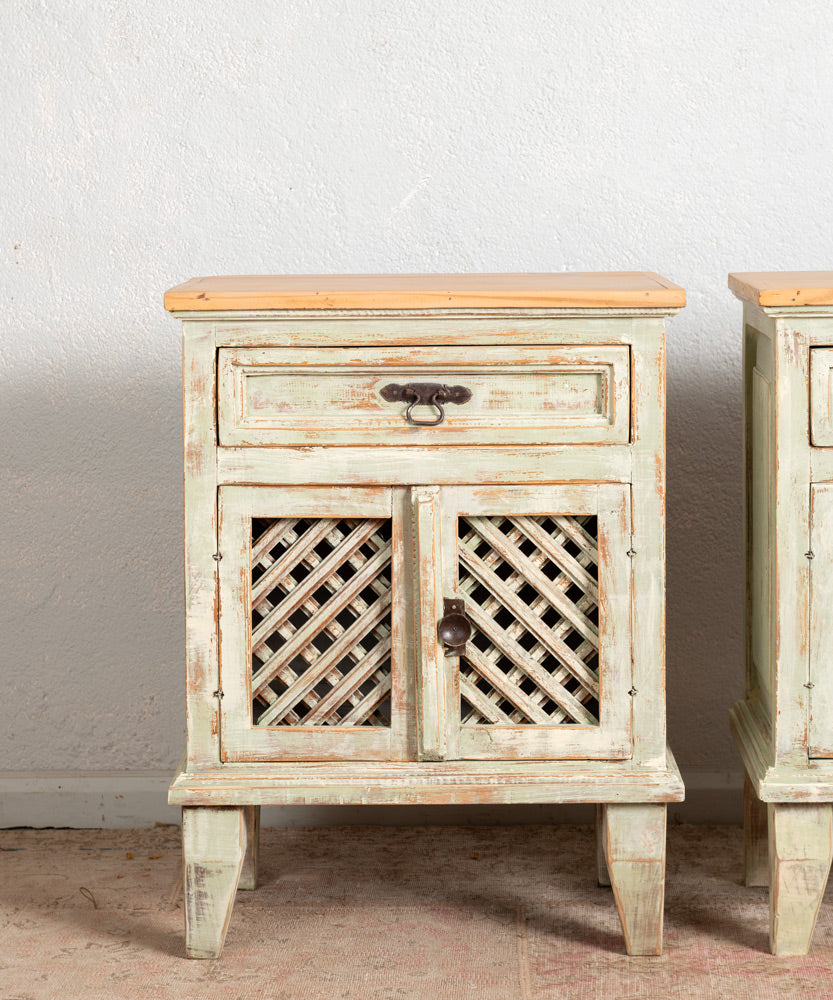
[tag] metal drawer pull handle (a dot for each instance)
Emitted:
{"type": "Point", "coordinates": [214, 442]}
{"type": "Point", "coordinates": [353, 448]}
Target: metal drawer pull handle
{"type": "Point", "coordinates": [436, 400]}
{"type": "Point", "coordinates": [425, 394]}
{"type": "Point", "coordinates": [454, 628]}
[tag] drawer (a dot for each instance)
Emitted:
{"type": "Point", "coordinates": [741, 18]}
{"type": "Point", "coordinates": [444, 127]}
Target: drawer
{"type": "Point", "coordinates": [821, 396]}
{"type": "Point", "coordinates": [525, 395]}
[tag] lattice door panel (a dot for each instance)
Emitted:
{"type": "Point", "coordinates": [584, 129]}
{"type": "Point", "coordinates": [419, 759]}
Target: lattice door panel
{"type": "Point", "coordinates": [545, 579]}
{"type": "Point", "coordinates": [321, 621]}
{"type": "Point", "coordinates": [311, 620]}
{"type": "Point", "coordinates": [531, 589]}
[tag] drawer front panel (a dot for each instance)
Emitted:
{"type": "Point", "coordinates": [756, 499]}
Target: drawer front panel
{"type": "Point", "coordinates": [532, 395]}
{"type": "Point", "coordinates": [821, 396]}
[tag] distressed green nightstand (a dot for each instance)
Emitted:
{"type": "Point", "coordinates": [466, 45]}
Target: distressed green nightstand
{"type": "Point", "coordinates": [784, 726]}
{"type": "Point", "coordinates": [424, 521]}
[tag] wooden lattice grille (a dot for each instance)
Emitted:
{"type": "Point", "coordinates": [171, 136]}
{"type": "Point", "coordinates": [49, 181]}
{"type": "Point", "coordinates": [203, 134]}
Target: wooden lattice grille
{"type": "Point", "coordinates": [531, 591]}
{"type": "Point", "coordinates": [321, 621]}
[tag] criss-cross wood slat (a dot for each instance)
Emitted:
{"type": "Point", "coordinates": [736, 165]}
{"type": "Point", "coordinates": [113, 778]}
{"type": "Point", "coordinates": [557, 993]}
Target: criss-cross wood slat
{"type": "Point", "coordinates": [321, 646]}
{"type": "Point", "coordinates": [310, 560]}
{"type": "Point", "coordinates": [273, 536]}
{"type": "Point", "coordinates": [344, 690]}
{"type": "Point", "coordinates": [490, 605]}
{"type": "Point", "coordinates": [579, 536]}
{"type": "Point", "coordinates": [548, 686]}
{"type": "Point", "coordinates": [536, 652]}
{"type": "Point", "coordinates": [319, 669]}
{"type": "Point", "coordinates": [512, 693]}
{"type": "Point", "coordinates": [369, 703]}
{"type": "Point", "coordinates": [532, 623]}
{"type": "Point", "coordinates": [526, 568]}
{"type": "Point", "coordinates": [528, 672]}
{"type": "Point", "coordinates": [485, 706]}
{"type": "Point", "coordinates": [551, 547]}
{"type": "Point", "coordinates": [516, 581]}
{"type": "Point", "coordinates": [332, 629]}
{"type": "Point", "coordinates": [539, 605]}
{"type": "Point", "coordinates": [298, 595]}
{"type": "Point", "coordinates": [327, 612]}
{"type": "Point", "coordinates": [281, 568]}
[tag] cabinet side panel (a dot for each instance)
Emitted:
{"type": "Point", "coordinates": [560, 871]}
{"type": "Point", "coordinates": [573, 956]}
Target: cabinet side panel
{"type": "Point", "coordinates": [759, 527]}
{"type": "Point", "coordinates": [821, 622]}
{"type": "Point", "coordinates": [200, 436]}
{"type": "Point", "coordinates": [791, 571]}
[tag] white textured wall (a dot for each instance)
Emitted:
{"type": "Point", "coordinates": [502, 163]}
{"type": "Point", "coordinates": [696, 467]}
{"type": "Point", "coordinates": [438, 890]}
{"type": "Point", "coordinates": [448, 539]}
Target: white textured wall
{"type": "Point", "coordinates": [149, 142]}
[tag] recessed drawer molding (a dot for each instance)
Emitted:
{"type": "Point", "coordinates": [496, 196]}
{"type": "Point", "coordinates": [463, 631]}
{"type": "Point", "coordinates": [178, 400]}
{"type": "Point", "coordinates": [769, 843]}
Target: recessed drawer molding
{"type": "Point", "coordinates": [821, 396]}
{"type": "Point", "coordinates": [542, 395]}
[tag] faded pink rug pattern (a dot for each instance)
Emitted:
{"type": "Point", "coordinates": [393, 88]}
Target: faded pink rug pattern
{"type": "Point", "coordinates": [389, 913]}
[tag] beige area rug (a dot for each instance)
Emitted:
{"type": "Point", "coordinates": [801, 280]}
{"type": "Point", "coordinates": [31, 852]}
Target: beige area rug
{"type": "Point", "coordinates": [389, 913]}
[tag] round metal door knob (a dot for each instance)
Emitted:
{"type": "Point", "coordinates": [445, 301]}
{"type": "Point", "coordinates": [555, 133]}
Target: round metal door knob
{"type": "Point", "coordinates": [454, 628]}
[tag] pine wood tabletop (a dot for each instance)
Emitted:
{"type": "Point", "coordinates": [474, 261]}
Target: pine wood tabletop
{"type": "Point", "coordinates": [783, 288]}
{"type": "Point", "coordinates": [603, 289]}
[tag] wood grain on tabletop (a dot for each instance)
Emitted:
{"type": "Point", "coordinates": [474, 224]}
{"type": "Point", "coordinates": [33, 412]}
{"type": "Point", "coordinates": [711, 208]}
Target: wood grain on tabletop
{"type": "Point", "coordinates": [783, 288]}
{"type": "Point", "coordinates": [603, 289]}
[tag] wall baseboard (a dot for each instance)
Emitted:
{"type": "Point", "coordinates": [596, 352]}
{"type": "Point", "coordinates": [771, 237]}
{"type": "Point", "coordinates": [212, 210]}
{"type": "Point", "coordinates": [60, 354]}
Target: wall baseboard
{"type": "Point", "coordinates": [119, 800]}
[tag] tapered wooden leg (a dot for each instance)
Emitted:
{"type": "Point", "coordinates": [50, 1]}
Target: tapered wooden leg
{"type": "Point", "coordinates": [800, 852]}
{"type": "Point", "coordinates": [635, 853]}
{"type": "Point", "coordinates": [248, 876]}
{"type": "Point", "coordinates": [213, 845]}
{"type": "Point", "coordinates": [602, 875]}
{"type": "Point", "coordinates": [755, 839]}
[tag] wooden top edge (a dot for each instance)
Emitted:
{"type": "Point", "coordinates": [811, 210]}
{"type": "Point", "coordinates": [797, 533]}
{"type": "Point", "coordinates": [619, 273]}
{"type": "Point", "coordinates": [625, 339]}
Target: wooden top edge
{"type": "Point", "coordinates": [597, 289]}
{"type": "Point", "coordinates": [783, 288]}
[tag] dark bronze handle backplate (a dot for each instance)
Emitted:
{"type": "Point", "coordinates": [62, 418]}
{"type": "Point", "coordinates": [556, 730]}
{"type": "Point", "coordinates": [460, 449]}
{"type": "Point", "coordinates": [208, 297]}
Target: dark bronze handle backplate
{"type": "Point", "coordinates": [454, 628]}
{"type": "Point", "coordinates": [425, 394]}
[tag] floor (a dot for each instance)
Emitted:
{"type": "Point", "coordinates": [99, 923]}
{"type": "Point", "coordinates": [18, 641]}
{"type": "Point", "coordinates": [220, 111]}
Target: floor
{"type": "Point", "coordinates": [389, 913]}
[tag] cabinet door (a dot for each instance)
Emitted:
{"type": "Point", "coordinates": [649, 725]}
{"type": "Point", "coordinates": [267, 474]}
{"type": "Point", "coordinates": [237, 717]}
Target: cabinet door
{"type": "Point", "coordinates": [545, 578]}
{"type": "Point", "coordinates": [310, 624]}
